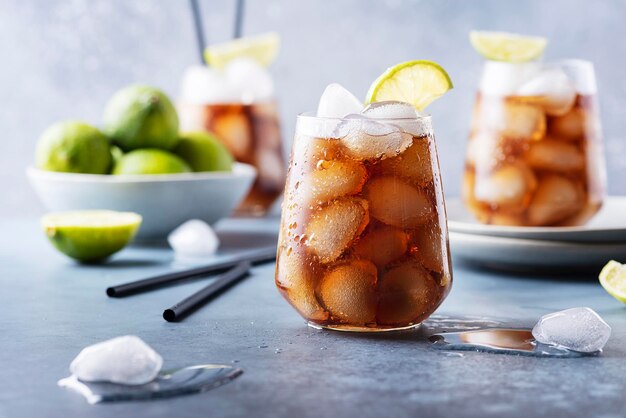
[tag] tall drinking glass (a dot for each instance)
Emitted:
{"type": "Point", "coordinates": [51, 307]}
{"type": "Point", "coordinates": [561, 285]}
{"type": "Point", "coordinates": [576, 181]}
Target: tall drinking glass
{"type": "Point", "coordinates": [535, 156]}
{"type": "Point", "coordinates": [238, 106]}
{"type": "Point", "coordinates": [363, 243]}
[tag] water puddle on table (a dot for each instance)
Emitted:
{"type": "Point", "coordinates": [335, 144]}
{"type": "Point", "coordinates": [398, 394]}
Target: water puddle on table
{"type": "Point", "coordinates": [169, 383]}
{"type": "Point", "coordinates": [454, 334]}
{"type": "Point", "coordinates": [500, 341]}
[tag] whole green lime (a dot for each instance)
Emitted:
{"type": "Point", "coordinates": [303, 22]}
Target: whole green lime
{"type": "Point", "coordinates": [203, 152]}
{"type": "Point", "coordinates": [116, 154]}
{"type": "Point", "coordinates": [150, 161]}
{"type": "Point", "coordinates": [141, 117]}
{"type": "Point", "coordinates": [73, 147]}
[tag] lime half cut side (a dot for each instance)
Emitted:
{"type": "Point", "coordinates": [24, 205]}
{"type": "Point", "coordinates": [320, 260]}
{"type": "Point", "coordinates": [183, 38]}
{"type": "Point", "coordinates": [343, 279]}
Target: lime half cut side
{"type": "Point", "coordinates": [261, 48]}
{"type": "Point", "coordinates": [508, 47]}
{"type": "Point", "coordinates": [613, 280]}
{"type": "Point", "coordinates": [90, 236]}
{"type": "Point", "coordinates": [417, 82]}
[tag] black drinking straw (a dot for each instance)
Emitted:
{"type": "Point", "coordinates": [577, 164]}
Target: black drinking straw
{"type": "Point", "coordinates": [198, 299]}
{"type": "Point", "coordinates": [199, 29]}
{"type": "Point", "coordinates": [239, 10]}
{"type": "Point", "coordinates": [262, 255]}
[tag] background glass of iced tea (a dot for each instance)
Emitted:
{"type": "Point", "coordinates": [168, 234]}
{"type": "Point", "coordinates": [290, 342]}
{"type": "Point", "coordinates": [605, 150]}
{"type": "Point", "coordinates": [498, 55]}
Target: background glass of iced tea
{"type": "Point", "coordinates": [237, 104]}
{"type": "Point", "coordinates": [363, 243]}
{"type": "Point", "coordinates": [535, 155]}
{"type": "Point", "coordinates": [251, 132]}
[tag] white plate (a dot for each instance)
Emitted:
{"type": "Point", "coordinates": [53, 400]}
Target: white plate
{"type": "Point", "coordinates": [526, 254]}
{"type": "Point", "coordinates": [608, 226]}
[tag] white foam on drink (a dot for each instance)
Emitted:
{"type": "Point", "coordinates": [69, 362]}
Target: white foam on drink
{"type": "Point", "coordinates": [242, 81]}
{"type": "Point", "coordinates": [503, 79]}
{"type": "Point", "coordinates": [337, 102]}
{"type": "Point", "coordinates": [578, 329]}
{"type": "Point", "coordinates": [126, 360]}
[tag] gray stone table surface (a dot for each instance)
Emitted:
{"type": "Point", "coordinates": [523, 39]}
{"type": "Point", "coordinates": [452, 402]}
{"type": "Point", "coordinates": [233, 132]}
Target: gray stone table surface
{"type": "Point", "coordinates": [51, 308]}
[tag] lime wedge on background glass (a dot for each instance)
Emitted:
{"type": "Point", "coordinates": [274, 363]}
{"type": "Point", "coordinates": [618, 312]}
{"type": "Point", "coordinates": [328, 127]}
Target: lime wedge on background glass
{"type": "Point", "coordinates": [613, 280]}
{"type": "Point", "coordinates": [414, 82]}
{"type": "Point", "coordinates": [262, 48]}
{"type": "Point", "coordinates": [90, 235]}
{"type": "Point", "coordinates": [509, 47]}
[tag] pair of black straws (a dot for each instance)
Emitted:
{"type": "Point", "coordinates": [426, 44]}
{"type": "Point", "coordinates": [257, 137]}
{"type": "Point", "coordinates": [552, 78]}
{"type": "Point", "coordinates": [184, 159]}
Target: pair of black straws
{"type": "Point", "coordinates": [228, 273]}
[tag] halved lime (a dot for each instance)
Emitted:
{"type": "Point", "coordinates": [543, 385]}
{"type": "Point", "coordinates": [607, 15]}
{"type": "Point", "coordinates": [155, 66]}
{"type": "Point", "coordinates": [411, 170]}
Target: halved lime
{"type": "Point", "coordinates": [509, 47]}
{"type": "Point", "coordinates": [262, 48]}
{"type": "Point", "coordinates": [613, 280]}
{"type": "Point", "coordinates": [92, 235]}
{"type": "Point", "coordinates": [415, 82]}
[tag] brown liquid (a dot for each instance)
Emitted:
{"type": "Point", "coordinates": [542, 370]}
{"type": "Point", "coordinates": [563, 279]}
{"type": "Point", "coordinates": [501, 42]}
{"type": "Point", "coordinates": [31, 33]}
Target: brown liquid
{"type": "Point", "coordinates": [528, 167]}
{"type": "Point", "coordinates": [363, 242]}
{"type": "Point", "coordinates": [252, 134]}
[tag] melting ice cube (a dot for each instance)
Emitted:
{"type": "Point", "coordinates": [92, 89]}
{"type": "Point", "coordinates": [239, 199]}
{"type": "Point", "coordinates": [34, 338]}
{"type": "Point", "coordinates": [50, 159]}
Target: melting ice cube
{"type": "Point", "coordinates": [390, 110]}
{"type": "Point", "coordinates": [554, 87]}
{"type": "Point", "coordinates": [368, 139]}
{"type": "Point", "coordinates": [503, 78]}
{"type": "Point", "coordinates": [194, 238]}
{"type": "Point", "coordinates": [578, 329]}
{"type": "Point", "coordinates": [405, 116]}
{"type": "Point", "coordinates": [126, 360]}
{"type": "Point", "coordinates": [251, 81]}
{"type": "Point", "coordinates": [337, 102]}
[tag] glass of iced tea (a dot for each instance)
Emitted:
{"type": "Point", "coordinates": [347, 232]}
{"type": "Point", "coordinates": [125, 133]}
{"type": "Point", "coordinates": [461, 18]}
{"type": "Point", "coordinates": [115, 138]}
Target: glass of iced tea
{"type": "Point", "coordinates": [363, 243]}
{"type": "Point", "coordinates": [535, 155]}
{"type": "Point", "coordinates": [237, 104]}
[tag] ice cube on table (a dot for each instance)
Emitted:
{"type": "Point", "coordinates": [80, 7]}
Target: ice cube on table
{"type": "Point", "coordinates": [203, 85]}
{"type": "Point", "coordinates": [194, 238]}
{"type": "Point", "coordinates": [251, 81]}
{"type": "Point", "coordinates": [503, 78]}
{"type": "Point", "coordinates": [554, 89]}
{"type": "Point", "coordinates": [578, 329]}
{"type": "Point", "coordinates": [126, 360]}
{"type": "Point", "coordinates": [337, 102]}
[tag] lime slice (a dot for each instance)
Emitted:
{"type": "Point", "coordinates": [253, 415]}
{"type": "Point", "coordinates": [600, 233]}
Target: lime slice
{"type": "Point", "coordinates": [415, 82]}
{"type": "Point", "coordinates": [613, 280]}
{"type": "Point", "coordinates": [92, 235]}
{"type": "Point", "coordinates": [262, 48]}
{"type": "Point", "coordinates": [509, 47]}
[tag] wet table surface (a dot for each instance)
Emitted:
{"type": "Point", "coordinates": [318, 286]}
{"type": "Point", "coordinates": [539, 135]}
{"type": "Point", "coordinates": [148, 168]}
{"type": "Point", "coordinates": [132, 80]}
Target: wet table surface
{"type": "Point", "coordinates": [51, 308]}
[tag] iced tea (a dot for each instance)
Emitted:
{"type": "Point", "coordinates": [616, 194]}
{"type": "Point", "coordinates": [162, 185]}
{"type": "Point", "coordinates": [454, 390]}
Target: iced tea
{"type": "Point", "coordinates": [251, 132]}
{"type": "Point", "coordinates": [534, 156]}
{"type": "Point", "coordinates": [237, 104]}
{"type": "Point", "coordinates": [363, 242]}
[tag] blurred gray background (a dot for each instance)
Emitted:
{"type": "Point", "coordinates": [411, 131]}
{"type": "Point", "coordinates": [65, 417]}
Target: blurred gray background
{"type": "Point", "coordinates": [62, 59]}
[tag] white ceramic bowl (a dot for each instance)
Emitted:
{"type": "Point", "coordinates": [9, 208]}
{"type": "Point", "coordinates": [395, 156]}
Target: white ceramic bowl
{"type": "Point", "coordinates": [164, 200]}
